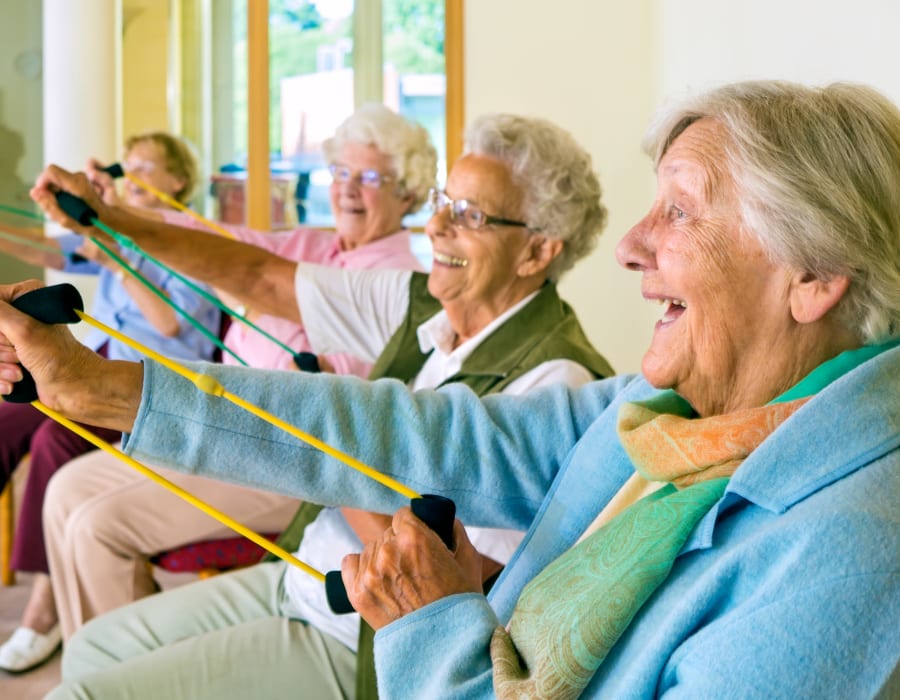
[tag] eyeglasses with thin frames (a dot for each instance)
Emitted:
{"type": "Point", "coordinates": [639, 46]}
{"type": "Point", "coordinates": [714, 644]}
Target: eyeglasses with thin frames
{"type": "Point", "coordinates": [369, 177]}
{"type": "Point", "coordinates": [466, 214]}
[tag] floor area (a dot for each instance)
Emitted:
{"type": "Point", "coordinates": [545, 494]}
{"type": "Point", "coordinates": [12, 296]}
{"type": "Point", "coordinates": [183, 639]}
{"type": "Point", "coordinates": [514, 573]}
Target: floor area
{"type": "Point", "coordinates": [34, 684]}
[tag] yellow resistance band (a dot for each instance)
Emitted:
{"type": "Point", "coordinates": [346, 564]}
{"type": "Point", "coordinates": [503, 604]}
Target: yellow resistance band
{"type": "Point", "coordinates": [209, 385]}
{"type": "Point", "coordinates": [162, 196]}
{"type": "Point", "coordinates": [180, 492]}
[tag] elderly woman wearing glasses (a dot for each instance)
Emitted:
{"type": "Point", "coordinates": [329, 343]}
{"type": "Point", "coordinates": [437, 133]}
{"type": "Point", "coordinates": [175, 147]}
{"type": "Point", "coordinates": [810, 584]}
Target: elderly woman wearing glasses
{"type": "Point", "coordinates": [723, 525]}
{"type": "Point", "coordinates": [27, 436]}
{"type": "Point", "coordinates": [520, 208]}
{"type": "Point", "coordinates": [104, 522]}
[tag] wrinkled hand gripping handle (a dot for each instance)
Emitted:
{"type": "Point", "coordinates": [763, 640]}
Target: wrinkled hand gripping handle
{"type": "Point", "coordinates": [54, 304]}
{"type": "Point", "coordinates": [436, 512]}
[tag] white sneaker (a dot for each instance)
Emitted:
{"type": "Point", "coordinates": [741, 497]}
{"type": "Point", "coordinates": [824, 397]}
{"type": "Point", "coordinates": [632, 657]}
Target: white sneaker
{"type": "Point", "coordinates": [26, 649]}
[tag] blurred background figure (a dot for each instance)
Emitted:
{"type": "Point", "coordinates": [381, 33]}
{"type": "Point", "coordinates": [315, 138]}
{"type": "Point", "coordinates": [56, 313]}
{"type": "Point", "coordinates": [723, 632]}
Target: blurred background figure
{"type": "Point", "coordinates": [125, 304]}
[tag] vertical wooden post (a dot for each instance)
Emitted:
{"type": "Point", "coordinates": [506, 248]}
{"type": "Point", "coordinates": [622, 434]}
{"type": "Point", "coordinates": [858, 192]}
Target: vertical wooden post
{"type": "Point", "coordinates": [259, 209]}
{"type": "Point", "coordinates": [454, 57]}
{"type": "Point", "coordinates": [7, 532]}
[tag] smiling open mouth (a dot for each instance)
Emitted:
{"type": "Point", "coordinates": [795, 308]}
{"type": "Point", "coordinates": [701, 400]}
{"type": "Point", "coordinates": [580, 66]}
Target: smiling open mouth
{"type": "Point", "coordinates": [672, 309]}
{"type": "Point", "coordinates": [445, 259]}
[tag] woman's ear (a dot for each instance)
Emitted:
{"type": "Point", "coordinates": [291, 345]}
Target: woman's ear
{"type": "Point", "coordinates": [813, 297]}
{"type": "Point", "coordinates": [542, 252]}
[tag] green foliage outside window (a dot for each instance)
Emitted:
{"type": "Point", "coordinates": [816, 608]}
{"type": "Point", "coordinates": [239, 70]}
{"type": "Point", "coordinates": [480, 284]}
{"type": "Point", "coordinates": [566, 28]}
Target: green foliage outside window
{"type": "Point", "coordinates": [413, 43]}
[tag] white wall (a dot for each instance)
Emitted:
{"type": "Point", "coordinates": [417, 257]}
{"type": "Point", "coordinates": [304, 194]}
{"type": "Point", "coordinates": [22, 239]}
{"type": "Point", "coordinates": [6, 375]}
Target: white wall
{"type": "Point", "coordinates": [600, 67]}
{"type": "Point", "coordinates": [706, 42]}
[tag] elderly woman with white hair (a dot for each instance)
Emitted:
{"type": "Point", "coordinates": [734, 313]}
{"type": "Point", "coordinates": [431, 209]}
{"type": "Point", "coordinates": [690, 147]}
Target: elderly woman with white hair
{"type": "Point", "coordinates": [103, 523]}
{"type": "Point", "coordinates": [521, 206]}
{"type": "Point", "coordinates": [723, 524]}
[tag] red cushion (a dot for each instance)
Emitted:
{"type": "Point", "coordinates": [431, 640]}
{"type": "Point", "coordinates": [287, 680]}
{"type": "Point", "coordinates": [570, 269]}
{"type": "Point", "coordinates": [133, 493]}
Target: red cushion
{"type": "Point", "coordinates": [222, 554]}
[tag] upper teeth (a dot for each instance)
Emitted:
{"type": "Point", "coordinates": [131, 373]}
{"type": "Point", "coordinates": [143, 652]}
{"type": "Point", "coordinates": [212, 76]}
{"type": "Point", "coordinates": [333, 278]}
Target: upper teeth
{"type": "Point", "coordinates": [450, 260]}
{"type": "Point", "coordinates": [677, 302]}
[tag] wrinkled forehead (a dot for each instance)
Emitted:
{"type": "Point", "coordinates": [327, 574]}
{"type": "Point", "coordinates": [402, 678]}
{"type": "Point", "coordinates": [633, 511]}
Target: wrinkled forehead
{"type": "Point", "coordinates": [698, 158]}
{"type": "Point", "coordinates": [486, 182]}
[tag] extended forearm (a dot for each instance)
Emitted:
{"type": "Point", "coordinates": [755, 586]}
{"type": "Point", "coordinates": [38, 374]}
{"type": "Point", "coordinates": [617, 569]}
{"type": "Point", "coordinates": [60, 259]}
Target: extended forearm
{"type": "Point", "coordinates": [252, 275]}
{"type": "Point", "coordinates": [110, 400]}
{"type": "Point", "coordinates": [20, 243]}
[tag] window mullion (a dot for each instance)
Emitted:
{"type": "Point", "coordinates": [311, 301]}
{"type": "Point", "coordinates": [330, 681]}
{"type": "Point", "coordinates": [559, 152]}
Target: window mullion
{"type": "Point", "coordinates": [368, 56]}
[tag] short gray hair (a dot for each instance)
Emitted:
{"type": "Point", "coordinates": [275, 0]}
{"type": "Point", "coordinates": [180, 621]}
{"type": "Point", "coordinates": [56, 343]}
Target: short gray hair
{"type": "Point", "coordinates": [818, 178]}
{"type": "Point", "coordinates": [406, 143]}
{"type": "Point", "coordinates": [556, 175]}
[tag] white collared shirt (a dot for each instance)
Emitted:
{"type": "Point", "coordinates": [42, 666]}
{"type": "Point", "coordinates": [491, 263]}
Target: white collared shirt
{"type": "Point", "coordinates": [358, 311]}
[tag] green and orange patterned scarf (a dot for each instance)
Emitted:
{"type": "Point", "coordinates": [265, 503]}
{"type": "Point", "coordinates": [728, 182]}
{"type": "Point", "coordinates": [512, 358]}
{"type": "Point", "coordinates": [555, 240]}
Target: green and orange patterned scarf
{"type": "Point", "coordinates": [554, 644]}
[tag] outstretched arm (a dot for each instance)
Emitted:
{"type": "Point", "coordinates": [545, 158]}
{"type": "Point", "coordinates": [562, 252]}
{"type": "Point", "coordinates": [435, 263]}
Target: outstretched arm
{"type": "Point", "coordinates": [250, 274]}
{"type": "Point", "coordinates": [11, 245]}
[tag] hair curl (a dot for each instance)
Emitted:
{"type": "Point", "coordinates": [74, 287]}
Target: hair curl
{"type": "Point", "coordinates": [406, 143]}
{"type": "Point", "coordinates": [561, 191]}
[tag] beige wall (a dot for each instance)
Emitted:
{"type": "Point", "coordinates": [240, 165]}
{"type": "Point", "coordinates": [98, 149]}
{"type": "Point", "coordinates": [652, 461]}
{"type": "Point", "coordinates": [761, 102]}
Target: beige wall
{"type": "Point", "coordinates": [21, 151]}
{"type": "Point", "coordinates": [704, 42]}
{"type": "Point", "coordinates": [145, 62]}
{"type": "Point", "coordinates": [589, 68]}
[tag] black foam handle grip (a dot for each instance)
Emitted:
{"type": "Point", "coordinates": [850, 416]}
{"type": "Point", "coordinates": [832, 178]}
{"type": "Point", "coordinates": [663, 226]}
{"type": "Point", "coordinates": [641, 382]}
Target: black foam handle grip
{"type": "Point", "coordinates": [307, 362]}
{"type": "Point", "coordinates": [438, 513]}
{"type": "Point", "coordinates": [115, 171]}
{"type": "Point", "coordinates": [435, 511]}
{"type": "Point", "coordinates": [76, 208]}
{"type": "Point", "coordinates": [54, 304]}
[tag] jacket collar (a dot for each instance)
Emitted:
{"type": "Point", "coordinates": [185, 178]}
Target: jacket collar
{"type": "Point", "coordinates": [852, 422]}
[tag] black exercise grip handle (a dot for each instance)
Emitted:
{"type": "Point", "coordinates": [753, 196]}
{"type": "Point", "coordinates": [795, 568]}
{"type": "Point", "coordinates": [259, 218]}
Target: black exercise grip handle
{"type": "Point", "coordinates": [307, 362]}
{"type": "Point", "coordinates": [115, 171]}
{"type": "Point", "coordinates": [54, 304]}
{"type": "Point", "coordinates": [76, 208]}
{"type": "Point", "coordinates": [436, 512]}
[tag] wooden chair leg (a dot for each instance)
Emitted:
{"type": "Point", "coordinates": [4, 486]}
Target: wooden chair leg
{"type": "Point", "coordinates": [7, 523]}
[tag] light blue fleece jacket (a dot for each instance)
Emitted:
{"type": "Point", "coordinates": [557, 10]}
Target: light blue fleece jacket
{"type": "Point", "coordinates": [788, 588]}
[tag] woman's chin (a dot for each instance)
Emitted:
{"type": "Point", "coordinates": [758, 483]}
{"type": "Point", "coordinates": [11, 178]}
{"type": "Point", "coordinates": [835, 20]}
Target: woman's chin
{"type": "Point", "coordinates": [656, 371]}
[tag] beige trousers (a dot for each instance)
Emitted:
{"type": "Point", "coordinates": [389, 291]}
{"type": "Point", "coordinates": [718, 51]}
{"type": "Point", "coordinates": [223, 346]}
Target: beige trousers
{"type": "Point", "coordinates": [103, 520]}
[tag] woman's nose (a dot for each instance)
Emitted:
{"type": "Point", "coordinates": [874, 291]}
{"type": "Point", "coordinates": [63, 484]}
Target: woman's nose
{"type": "Point", "coordinates": [439, 224]}
{"type": "Point", "coordinates": [635, 251]}
{"type": "Point", "coordinates": [350, 186]}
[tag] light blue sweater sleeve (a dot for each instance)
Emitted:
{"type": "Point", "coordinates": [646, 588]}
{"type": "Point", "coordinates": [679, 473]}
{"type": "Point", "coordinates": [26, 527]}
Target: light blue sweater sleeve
{"type": "Point", "coordinates": [494, 457]}
{"type": "Point", "coordinates": [787, 588]}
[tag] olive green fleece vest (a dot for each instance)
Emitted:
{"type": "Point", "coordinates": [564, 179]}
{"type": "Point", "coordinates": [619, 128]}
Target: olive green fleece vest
{"type": "Point", "coordinates": [545, 329]}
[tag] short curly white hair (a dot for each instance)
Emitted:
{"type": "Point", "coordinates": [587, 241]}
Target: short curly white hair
{"type": "Point", "coordinates": [405, 142]}
{"type": "Point", "coordinates": [561, 191]}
